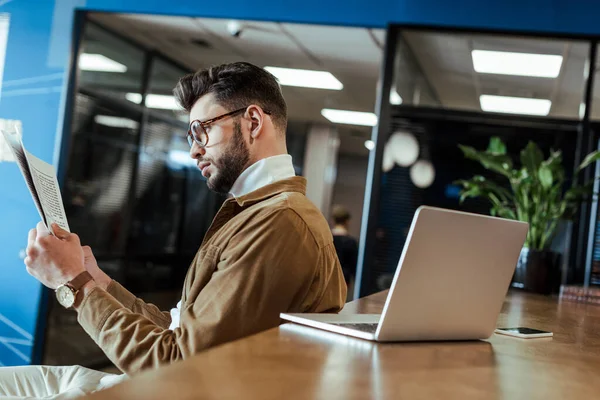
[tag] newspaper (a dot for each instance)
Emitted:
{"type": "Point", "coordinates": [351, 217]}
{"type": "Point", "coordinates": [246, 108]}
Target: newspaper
{"type": "Point", "coordinates": [41, 180]}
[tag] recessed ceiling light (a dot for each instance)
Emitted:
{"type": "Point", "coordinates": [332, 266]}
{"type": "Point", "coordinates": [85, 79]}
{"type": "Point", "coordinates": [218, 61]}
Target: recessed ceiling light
{"type": "Point", "coordinates": [116, 122]}
{"type": "Point", "coordinates": [306, 78]}
{"type": "Point", "coordinates": [134, 97]}
{"type": "Point", "coordinates": [422, 174]}
{"type": "Point", "coordinates": [100, 63]}
{"type": "Point", "coordinates": [350, 117]}
{"type": "Point", "coordinates": [521, 64]}
{"type": "Point", "coordinates": [369, 144]}
{"type": "Point", "coordinates": [395, 98]}
{"type": "Point", "coordinates": [160, 101]}
{"type": "Point", "coordinates": [514, 105]}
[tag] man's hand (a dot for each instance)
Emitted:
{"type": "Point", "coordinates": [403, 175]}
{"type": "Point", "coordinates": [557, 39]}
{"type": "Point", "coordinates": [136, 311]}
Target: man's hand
{"type": "Point", "coordinates": [53, 260]}
{"type": "Point", "coordinates": [91, 265]}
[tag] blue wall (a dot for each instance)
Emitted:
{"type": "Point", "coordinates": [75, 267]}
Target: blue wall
{"type": "Point", "coordinates": [39, 47]}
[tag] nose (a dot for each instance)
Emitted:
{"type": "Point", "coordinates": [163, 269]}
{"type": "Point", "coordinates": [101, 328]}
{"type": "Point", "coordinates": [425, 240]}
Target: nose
{"type": "Point", "coordinates": [196, 151]}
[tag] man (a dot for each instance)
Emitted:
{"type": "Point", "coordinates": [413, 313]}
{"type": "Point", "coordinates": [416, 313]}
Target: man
{"type": "Point", "coordinates": [269, 250]}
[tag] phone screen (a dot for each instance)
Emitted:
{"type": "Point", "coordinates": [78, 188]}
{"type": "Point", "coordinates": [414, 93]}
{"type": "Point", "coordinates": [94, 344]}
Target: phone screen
{"type": "Point", "coordinates": [523, 331]}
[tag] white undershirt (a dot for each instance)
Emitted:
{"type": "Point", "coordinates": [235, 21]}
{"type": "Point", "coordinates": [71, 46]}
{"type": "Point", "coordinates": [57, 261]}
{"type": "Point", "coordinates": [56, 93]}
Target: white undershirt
{"type": "Point", "coordinates": [263, 173]}
{"type": "Point", "coordinates": [259, 174]}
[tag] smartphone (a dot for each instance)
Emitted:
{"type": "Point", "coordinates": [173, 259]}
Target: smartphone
{"type": "Point", "coordinates": [522, 332]}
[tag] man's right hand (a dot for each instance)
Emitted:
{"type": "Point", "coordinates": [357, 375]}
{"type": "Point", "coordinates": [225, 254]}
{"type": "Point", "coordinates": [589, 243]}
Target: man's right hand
{"type": "Point", "coordinates": [91, 265]}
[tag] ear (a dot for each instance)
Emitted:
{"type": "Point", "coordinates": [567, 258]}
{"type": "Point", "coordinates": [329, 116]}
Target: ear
{"type": "Point", "coordinates": [257, 119]}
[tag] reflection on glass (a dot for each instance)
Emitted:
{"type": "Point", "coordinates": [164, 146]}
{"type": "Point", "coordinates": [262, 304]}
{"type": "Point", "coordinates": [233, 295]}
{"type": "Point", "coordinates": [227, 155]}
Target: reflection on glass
{"type": "Point", "coordinates": [99, 175]}
{"type": "Point", "coordinates": [108, 64]}
{"type": "Point", "coordinates": [403, 190]}
{"type": "Point", "coordinates": [163, 79]}
{"type": "Point", "coordinates": [160, 189]}
{"type": "Point", "coordinates": [411, 86]}
{"type": "Point", "coordinates": [525, 75]}
{"type": "Point", "coordinates": [131, 192]}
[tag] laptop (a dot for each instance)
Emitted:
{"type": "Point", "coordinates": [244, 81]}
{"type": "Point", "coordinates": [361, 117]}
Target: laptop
{"type": "Point", "coordinates": [450, 284]}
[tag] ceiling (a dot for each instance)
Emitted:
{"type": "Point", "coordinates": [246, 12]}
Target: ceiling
{"type": "Point", "coordinates": [445, 60]}
{"type": "Point", "coordinates": [439, 64]}
{"type": "Point", "coordinates": [352, 55]}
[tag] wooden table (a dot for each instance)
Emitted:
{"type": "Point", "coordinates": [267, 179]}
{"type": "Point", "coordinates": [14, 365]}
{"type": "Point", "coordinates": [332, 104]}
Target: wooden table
{"type": "Point", "coordinates": [293, 361]}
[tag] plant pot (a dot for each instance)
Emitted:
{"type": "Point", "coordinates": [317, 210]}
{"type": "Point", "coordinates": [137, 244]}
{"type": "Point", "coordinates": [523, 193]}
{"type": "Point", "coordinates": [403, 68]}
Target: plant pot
{"type": "Point", "coordinates": [540, 271]}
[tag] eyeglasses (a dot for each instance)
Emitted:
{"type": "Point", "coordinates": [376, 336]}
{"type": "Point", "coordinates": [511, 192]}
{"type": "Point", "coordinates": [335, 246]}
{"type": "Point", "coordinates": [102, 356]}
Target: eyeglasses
{"type": "Point", "coordinates": [197, 130]}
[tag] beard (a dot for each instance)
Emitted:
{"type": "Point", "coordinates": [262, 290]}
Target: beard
{"type": "Point", "coordinates": [231, 164]}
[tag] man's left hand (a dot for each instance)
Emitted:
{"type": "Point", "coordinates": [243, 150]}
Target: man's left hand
{"type": "Point", "coordinates": [53, 260]}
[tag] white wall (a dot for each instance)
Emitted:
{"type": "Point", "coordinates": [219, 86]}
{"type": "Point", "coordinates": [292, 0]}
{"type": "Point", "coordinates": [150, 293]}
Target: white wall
{"type": "Point", "coordinates": [320, 162]}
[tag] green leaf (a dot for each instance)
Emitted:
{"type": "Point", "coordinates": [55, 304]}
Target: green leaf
{"type": "Point", "coordinates": [480, 186]}
{"type": "Point", "coordinates": [555, 160]}
{"type": "Point", "coordinates": [545, 175]}
{"type": "Point", "coordinates": [472, 192]}
{"type": "Point", "coordinates": [503, 212]}
{"type": "Point", "coordinates": [590, 158]}
{"type": "Point", "coordinates": [537, 188]}
{"type": "Point", "coordinates": [496, 146]}
{"type": "Point", "coordinates": [531, 158]}
{"type": "Point", "coordinates": [554, 163]}
{"type": "Point", "coordinates": [499, 163]}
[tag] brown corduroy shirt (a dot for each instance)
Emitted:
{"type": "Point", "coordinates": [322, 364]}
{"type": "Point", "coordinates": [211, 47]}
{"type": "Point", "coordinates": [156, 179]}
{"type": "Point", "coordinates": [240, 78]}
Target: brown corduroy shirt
{"type": "Point", "coordinates": [267, 252]}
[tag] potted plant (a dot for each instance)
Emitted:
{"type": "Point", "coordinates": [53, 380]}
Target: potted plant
{"type": "Point", "coordinates": [536, 192]}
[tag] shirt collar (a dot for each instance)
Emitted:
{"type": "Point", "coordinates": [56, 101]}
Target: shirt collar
{"type": "Point", "coordinates": [263, 173]}
{"type": "Point", "coordinates": [293, 184]}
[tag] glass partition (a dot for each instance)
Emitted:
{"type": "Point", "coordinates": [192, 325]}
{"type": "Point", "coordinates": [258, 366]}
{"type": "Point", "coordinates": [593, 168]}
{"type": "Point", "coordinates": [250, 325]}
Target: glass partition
{"type": "Point", "coordinates": [131, 192]}
{"type": "Point", "coordinates": [449, 87]}
{"type": "Point", "coordinates": [514, 75]}
{"type": "Point", "coordinates": [109, 64]}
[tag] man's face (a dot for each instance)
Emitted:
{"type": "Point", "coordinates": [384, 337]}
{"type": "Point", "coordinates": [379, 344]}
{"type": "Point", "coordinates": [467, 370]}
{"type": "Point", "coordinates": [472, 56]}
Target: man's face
{"type": "Point", "coordinates": [226, 155]}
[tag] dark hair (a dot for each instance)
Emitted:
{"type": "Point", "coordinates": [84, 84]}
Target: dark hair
{"type": "Point", "coordinates": [340, 214]}
{"type": "Point", "coordinates": [235, 85]}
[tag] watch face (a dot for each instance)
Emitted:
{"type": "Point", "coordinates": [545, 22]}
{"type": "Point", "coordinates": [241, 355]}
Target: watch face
{"type": "Point", "coordinates": [65, 296]}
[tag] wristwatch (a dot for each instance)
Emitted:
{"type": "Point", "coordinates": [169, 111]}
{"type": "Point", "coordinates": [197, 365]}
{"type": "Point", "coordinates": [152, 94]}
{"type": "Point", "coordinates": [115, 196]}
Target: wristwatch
{"type": "Point", "coordinates": [67, 293]}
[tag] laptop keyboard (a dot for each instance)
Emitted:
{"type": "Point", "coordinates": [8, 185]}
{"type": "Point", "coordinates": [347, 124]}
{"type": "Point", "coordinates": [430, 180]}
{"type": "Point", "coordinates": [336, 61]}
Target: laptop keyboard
{"type": "Point", "coordinates": [363, 327]}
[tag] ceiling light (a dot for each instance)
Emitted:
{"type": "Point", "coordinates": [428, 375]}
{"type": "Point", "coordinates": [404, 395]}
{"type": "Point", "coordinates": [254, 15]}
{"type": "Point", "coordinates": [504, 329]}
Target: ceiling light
{"type": "Point", "coordinates": [160, 101]}
{"type": "Point", "coordinates": [116, 122]}
{"type": "Point", "coordinates": [134, 97]}
{"type": "Point", "coordinates": [395, 98]}
{"type": "Point", "coordinates": [350, 117]}
{"type": "Point", "coordinates": [305, 78]}
{"type": "Point", "coordinates": [101, 63]}
{"type": "Point", "coordinates": [514, 105]}
{"type": "Point", "coordinates": [405, 148]}
{"type": "Point", "coordinates": [422, 174]}
{"type": "Point", "coordinates": [388, 162]}
{"type": "Point", "coordinates": [522, 64]}
{"type": "Point", "coordinates": [369, 144]}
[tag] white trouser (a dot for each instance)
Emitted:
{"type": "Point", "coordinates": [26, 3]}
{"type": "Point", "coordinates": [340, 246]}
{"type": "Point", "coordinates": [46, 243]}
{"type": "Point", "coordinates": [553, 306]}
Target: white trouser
{"type": "Point", "coordinates": [44, 382]}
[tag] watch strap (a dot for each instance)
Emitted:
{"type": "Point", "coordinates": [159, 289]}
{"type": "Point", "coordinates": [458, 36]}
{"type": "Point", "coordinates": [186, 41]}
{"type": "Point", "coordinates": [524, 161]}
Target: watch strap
{"type": "Point", "coordinates": [80, 280]}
